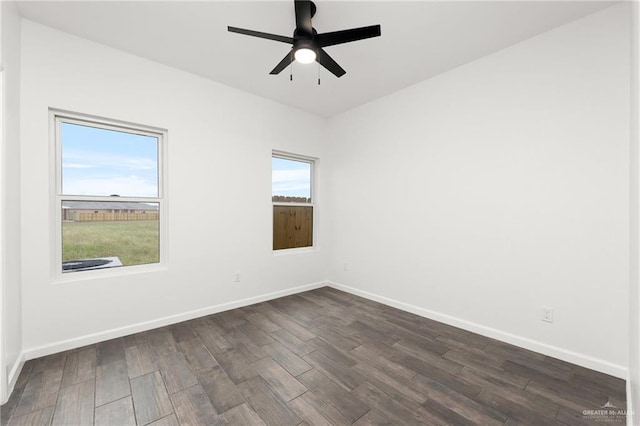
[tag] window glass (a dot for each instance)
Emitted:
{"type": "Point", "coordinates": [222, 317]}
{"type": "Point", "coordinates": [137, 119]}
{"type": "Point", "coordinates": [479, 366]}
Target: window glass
{"type": "Point", "coordinates": [105, 234]}
{"type": "Point", "coordinates": [290, 180]}
{"type": "Point", "coordinates": [291, 183]}
{"type": "Point", "coordinates": [103, 162]}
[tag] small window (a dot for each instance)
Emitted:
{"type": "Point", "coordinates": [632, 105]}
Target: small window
{"type": "Point", "coordinates": [293, 203]}
{"type": "Point", "coordinates": [109, 193]}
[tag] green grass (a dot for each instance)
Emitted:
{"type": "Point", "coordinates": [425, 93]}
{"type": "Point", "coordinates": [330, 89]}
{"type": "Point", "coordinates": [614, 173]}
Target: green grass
{"type": "Point", "coordinates": [135, 242]}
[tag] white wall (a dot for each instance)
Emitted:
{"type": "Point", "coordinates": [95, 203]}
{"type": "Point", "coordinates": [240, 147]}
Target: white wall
{"type": "Point", "coordinates": [219, 154]}
{"type": "Point", "coordinates": [11, 321]}
{"type": "Point", "coordinates": [633, 385]}
{"type": "Point", "coordinates": [483, 194]}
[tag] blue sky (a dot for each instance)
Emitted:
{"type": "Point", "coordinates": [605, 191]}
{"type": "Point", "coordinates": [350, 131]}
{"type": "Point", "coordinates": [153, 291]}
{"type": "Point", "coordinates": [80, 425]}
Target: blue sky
{"type": "Point", "coordinates": [105, 162]}
{"type": "Point", "coordinates": [291, 178]}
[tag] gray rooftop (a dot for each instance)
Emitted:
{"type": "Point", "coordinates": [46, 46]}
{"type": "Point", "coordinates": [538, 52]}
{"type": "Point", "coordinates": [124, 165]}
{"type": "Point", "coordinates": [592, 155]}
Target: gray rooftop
{"type": "Point", "coordinates": [107, 205]}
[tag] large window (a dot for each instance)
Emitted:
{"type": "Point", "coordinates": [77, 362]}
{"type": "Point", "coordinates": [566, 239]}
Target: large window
{"type": "Point", "coordinates": [292, 197]}
{"type": "Point", "coordinates": [109, 193]}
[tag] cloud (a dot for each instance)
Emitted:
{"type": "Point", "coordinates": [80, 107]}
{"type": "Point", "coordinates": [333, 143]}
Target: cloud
{"type": "Point", "coordinates": [90, 159]}
{"type": "Point", "coordinates": [77, 166]}
{"type": "Point", "coordinates": [132, 186]}
{"type": "Point", "coordinates": [291, 182]}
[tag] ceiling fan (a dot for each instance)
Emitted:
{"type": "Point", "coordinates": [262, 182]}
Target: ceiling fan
{"type": "Point", "coordinates": [307, 44]}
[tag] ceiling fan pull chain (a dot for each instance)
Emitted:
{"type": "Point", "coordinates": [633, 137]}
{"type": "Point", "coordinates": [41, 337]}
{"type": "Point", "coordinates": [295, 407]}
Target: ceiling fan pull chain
{"type": "Point", "coordinates": [291, 67]}
{"type": "Point", "coordinates": [318, 74]}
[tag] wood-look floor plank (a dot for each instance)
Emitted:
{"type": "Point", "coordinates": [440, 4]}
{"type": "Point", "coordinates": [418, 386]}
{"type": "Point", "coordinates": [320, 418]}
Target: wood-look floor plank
{"type": "Point", "coordinates": [424, 356]}
{"type": "Point", "coordinates": [279, 379]}
{"type": "Point", "coordinates": [342, 374]}
{"type": "Point", "coordinates": [567, 394]}
{"type": "Point", "coordinates": [336, 322]}
{"type": "Point", "coordinates": [520, 405]}
{"type": "Point", "coordinates": [402, 414]}
{"type": "Point", "coordinates": [170, 420]}
{"type": "Point", "coordinates": [228, 320]}
{"type": "Point", "coordinates": [490, 377]}
{"type": "Point", "coordinates": [308, 412]}
{"type": "Point", "coordinates": [568, 417]}
{"type": "Point", "coordinates": [341, 357]}
{"type": "Point", "coordinates": [237, 367]}
{"type": "Point", "coordinates": [75, 405]}
{"type": "Point", "coordinates": [349, 406]}
{"type": "Point", "coordinates": [255, 334]}
{"type": "Point", "coordinates": [213, 337]}
{"type": "Point", "coordinates": [594, 381]}
{"type": "Point", "coordinates": [291, 342]}
{"type": "Point", "coordinates": [288, 324]}
{"type": "Point", "coordinates": [242, 415]}
{"type": "Point", "coordinates": [140, 359]}
{"type": "Point", "coordinates": [7, 409]}
{"type": "Point", "coordinates": [40, 417]}
{"type": "Point", "coordinates": [41, 391]}
{"type": "Point", "coordinates": [116, 413]}
{"type": "Point", "coordinates": [266, 403]}
{"type": "Point", "coordinates": [454, 405]}
{"type": "Point", "coordinates": [457, 383]}
{"type": "Point", "coordinates": [323, 407]}
{"type": "Point", "coordinates": [197, 355]}
{"type": "Point", "coordinates": [374, 418]}
{"type": "Point", "coordinates": [176, 372]}
{"type": "Point", "coordinates": [50, 362]}
{"type": "Point", "coordinates": [259, 319]}
{"type": "Point", "coordinates": [192, 407]}
{"type": "Point", "coordinates": [162, 342]}
{"type": "Point", "coordinates": [374, 360]}
{"type": "Point", "coordinates": [222, 392]}
{"type": "Point", "coordinates": [535, 370]}
{"type": "Point", "coordinates": [359, 328]}
{"type": "Point", "coordinates": [109, 352]}
{"type": "Point", "coordinates": [396, 387]}
{"type": "Point", "coordinates": [112, 382]}
{"type": "Point", "coordinates": [474, 358]}
{"type": "Point", "coordinates": [150, 398]}
{"type": "Point", "coordinates": [244, 346]}
{"type": "Point", "coordinates": [336, 339]}
{"type": "Point", "coordinates": [287, 359]}
{"type": "Point", "coordinates": [181, 332]}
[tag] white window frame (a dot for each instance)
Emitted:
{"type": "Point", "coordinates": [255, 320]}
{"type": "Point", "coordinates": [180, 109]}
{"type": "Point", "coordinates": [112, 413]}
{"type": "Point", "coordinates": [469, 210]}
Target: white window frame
{"type": "Point", "coordinates": [56, 117]}
{"type": "Point", "coordinates": [313, 204]}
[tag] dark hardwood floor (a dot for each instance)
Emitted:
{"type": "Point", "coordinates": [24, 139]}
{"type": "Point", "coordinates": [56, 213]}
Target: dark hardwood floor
{"type": "Point", "coordinates": [318, 358]}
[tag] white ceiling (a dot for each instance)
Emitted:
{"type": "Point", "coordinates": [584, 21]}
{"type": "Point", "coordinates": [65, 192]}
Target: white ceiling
{"type": "Point", "coordinates": [419, 40]}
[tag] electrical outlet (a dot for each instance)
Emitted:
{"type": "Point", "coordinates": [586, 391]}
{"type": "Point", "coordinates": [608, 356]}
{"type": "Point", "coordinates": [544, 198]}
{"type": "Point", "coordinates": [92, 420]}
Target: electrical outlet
{"type": "Point", "coordinates": [237, 279]}
{"type": "Point", "coordinates": [547, 314]}
{"type": "Point", "coordinates": [345, 266]}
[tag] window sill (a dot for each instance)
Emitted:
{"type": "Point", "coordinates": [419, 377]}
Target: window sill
{"type": "Point", "coordinates": [299, 250]}
{"type": "Point", "coordinates": [67, 277]}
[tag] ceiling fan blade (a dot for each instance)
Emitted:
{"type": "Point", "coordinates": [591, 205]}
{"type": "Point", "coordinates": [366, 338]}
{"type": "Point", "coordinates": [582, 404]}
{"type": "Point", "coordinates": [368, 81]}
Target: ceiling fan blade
{"type": "Point", "coordinates": [346, 36]}
{"type": "Point", "coordinates": [303, 16]}
{"type": "Point", "coordinates": [261, 35]}
{"type": "Point", "coordinates": [283, 63]}
{"type": "Point", "coordinates": [327, 61]}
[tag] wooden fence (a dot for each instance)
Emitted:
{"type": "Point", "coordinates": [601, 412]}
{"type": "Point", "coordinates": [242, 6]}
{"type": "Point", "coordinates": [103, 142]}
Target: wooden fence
{"type": "Point", "coordinates": [283, 199]}
{"type": "Point", "coordinates": [102, 217]}
{"type": "Point", "coordinates": [292, 227]}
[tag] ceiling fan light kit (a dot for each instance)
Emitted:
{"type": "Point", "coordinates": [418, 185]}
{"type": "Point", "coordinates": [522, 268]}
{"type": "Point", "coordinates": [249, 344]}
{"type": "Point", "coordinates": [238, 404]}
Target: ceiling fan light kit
{"type": "Point", "coordinates": [307, 44]}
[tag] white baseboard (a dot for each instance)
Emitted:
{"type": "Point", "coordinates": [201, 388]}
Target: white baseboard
{"type": "Point", "coordinates": [13, 376]}
{"type": "Point", "coordinates": [523, 342]}
{"type": "Point", "coordinates": [90, 339]}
